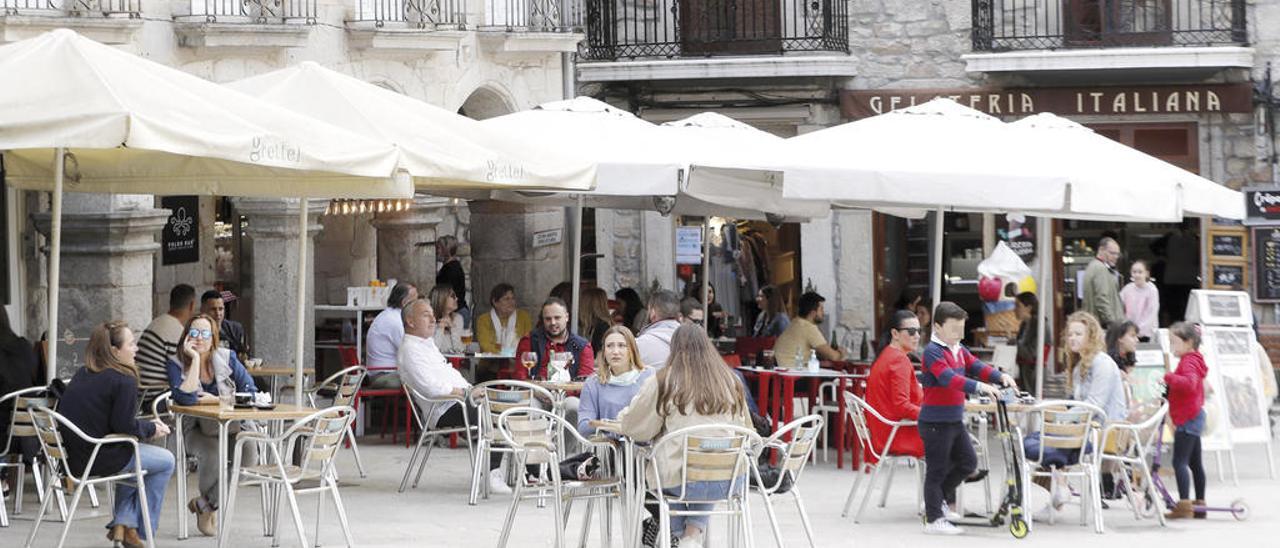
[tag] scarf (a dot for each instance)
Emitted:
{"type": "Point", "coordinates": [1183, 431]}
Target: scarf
{"type": "Point", "coordinates": [506, 335]}
{"type": "Point", "coordinates": [625, 379]}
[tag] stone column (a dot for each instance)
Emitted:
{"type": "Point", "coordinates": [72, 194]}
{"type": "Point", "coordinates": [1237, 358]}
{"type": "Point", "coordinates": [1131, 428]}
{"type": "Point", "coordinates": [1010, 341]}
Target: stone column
{"type": "Point", "coordinates": [502, 251]}
{"type": "Point", "coordinates": [270, 275]}
{"type": "Point", "coordinates": [405, 238]}
{"type": "Point", "coordinates": [108, 244]}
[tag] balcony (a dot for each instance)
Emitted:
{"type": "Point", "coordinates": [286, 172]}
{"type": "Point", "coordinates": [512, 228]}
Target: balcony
{"type": "Point", "coordinates": [1143, 35]}
{"type": "Point", "coordinates": [107, 21]}
{"type": "Point", "coordinates": [532, 26]}
{"type": "Point", "coordinates": [673, 39]}
{"type": "Point", "coordinates": [245, 24]}
{"type": "Point", "coordinates": [410, 27]}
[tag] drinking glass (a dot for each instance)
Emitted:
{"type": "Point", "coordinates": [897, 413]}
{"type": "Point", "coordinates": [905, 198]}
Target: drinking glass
{"type": "Point", "coordinates": [227, 395]}
{"type": "Point", "coordinates": [529, 360]}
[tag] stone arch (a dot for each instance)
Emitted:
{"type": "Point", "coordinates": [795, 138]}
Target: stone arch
{"type": "Point", "coordinates": [487, 102]}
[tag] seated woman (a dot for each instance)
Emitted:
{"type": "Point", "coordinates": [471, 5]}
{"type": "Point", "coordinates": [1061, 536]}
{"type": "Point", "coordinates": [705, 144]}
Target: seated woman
{"type": "Point", "coordinates": [612, 388]}
{"type": "Point", "coordinates": [695, 388]}
{"type": "Point", "coordinates": [198, 375]}
{"type": "Point", "coordinates": [892, 388]}
{"type": "Point", "coordinates": [102, 399]}
{"type": "Point", "coordinates": [448, 335]}
{"type": "Point", "coordinates": [772, 320]}
{"type": "Point", "coordinates": [1122, 346]}
{"type": "Point", "coordinates": [1094, 377]}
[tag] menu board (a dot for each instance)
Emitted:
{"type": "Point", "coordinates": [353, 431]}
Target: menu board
{"type": "Point", "coordinates": [1234, 375]}
{"type": "Point", "coordinates": [1219, 307]}
{"type": "Point", "coordinates": [1266, 264]}
{"type": "Point", "coordinates": [1224, 244]}
{"type": "Point", "coordinates": [1228, 276]}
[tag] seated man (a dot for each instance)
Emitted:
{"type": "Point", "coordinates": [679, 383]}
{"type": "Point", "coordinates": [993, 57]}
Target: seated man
{"type": "Point", "coordinates": [552, 335]}
{"type": "Point", "coordinates": [893, 391]}
{"type": "Point", "coordinates": [428, 374]}
{"type": "Point", "coordinates": [691, 311]}
{"type": "Point", "coordinates": [382, 343]}
{"type": "Point", "coordinates": [654, 341]}
{"type": "Point", "coordinates": [159, 341]}
{"type": "Point", "coordinates": [803, 336]}
{"type": "Point", "coordinates": [230, 332]}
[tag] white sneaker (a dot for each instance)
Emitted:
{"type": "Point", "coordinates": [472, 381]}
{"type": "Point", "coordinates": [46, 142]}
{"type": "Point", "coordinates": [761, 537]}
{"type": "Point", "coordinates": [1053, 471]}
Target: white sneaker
{"type": "Point", "coordinates": [950, 515]}
{"type": "Point", "coordinates": [498, 482]}
{"type": "Point", "coordinates": [941, 526]}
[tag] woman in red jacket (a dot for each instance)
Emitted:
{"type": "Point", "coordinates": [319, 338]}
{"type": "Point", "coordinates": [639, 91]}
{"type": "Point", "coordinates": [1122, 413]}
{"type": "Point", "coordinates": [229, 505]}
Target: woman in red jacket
{"type": "Point", "coordinates": [1186, 409]}
{"type": "Point", "coordinates": [892, 388]}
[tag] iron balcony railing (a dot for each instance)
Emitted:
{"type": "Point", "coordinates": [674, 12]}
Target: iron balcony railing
{"type": "Point", "coordinates": [534, 15]}
{"type": "Point", "coordinates": [420, 14]}
{"type": "Point", "coordinates": [618, 29]}
{"type": "Point", "coordinates": [1004, 25]}
{"type": "Point", "coordinates": [252, 11]}
{"type": "Point", "coordinates": [111, 8]}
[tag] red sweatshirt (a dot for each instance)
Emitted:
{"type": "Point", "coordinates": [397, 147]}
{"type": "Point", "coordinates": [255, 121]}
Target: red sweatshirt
{"type": "Point", "coordinates": [894, 392]}
{"type": "Point", "coordinates": [1186, 387]}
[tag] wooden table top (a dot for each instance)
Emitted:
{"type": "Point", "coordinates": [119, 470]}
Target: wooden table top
{"type": "Point", "coordinates": [278, 370]}
{"type": "Point", "coordinates": [282, 411]}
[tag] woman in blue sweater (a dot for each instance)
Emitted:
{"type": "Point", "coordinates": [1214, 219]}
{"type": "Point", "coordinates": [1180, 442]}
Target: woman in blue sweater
{"type": "Point", "coordinates": [102, 399]}
{"type": "Point", "coordinates": [201, 371]}
{"type": "Point", "coordinates": [611, 389]}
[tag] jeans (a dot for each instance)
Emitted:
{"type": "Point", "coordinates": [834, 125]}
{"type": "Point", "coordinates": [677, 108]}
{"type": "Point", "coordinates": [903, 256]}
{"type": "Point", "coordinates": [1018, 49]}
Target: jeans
{"type": "Point", "coordinates": [698, 490]}
{"type": "Point", "coordinates": [949, 459]}
{"type": "Point", "coordinates": [157, 464]}
{"type": "Point", "coordinates": [1187, 463]}
{"type": "Point", "coordinates": [204, 447]}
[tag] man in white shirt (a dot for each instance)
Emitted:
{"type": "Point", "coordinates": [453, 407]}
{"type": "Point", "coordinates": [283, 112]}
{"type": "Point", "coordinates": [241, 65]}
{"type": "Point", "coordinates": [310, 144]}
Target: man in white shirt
{"type": "Point", "coordinates": [387, 330]}
{"type": "Point", "coordinates": [429, 375]}
{"type": "Point", "coordinates": [654, 343]}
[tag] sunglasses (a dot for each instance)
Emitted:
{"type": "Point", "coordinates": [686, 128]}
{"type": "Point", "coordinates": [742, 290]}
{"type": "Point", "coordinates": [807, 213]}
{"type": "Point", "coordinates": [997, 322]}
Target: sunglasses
{"type": "Point", "coordinates": [205, 334]}
{"type": "Point", "coordinates": [911, 331]}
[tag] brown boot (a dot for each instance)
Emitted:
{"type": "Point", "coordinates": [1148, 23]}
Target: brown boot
{"type": "Point", "coordinates": [116, 535]}
{"type": "Point", "coordinates": [1198, 514]}
{"type": "Point", "coordinates": [1182, 510]}
{"type": "Point", "coordinates": [131, 539]}
{"type": "Point", "coordinates": [206, 516]}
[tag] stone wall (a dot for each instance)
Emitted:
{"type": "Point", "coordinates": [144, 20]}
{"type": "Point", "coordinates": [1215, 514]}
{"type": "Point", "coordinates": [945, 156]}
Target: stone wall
{"type": "Point", "coordinates": [910, 43]}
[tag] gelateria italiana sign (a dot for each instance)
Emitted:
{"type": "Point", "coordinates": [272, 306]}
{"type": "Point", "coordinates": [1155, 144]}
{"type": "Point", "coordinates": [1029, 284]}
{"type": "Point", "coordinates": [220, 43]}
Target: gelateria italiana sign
{"type": "Point", "coordinates": [1102, 100]}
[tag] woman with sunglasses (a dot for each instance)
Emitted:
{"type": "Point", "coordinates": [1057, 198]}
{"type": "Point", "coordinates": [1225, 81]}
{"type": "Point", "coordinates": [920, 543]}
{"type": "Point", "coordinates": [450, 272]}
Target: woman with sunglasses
{"type": "Point", "coordinates": [892, 388]}
{"type": "Point", "coordinates": [197, 375]}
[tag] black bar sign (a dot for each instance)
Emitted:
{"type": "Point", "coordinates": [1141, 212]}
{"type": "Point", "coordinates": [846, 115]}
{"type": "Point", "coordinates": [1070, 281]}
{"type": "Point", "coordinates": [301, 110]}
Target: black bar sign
{"type": "Point", "coordinates": [180, 241]}
{"type": "Point", "coordinates": [1262, 205]}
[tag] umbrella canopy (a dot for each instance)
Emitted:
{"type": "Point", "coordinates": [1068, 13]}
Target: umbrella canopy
{"type": "Point", "coordinates": [936, 153]}
{"type": "Point", "coordinates": [441, 148]}
{"type": "Point", "coordinates": [136, 126]}
{"type": "Point", "coordinates": [122, 124]}
{"type": "Point", "coordinates": [1122, 180]}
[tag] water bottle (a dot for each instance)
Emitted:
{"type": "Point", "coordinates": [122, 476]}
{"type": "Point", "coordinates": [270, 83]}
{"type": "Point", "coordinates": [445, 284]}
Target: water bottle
{"type": "Point", "coordinates": [814, 365]}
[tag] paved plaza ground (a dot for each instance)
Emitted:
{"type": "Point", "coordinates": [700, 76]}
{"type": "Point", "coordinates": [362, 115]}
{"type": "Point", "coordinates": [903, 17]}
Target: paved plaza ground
{"type": "Point", "coordinates": [436, 514]}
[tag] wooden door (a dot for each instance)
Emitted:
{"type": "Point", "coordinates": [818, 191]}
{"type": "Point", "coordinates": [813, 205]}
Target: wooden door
{"type": "Point", "coordinates": [729, 27]}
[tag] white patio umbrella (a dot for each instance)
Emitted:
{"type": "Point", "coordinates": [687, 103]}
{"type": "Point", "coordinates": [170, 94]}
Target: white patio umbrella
{"type": "Point", "coordinates": [123, 124]}
{"type": "Point", "coordinates": [643, 166]}
{"type": "Point", "coordinates": [441, 148]}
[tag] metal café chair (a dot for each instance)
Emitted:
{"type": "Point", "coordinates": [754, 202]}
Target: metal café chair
{"type": "Point", "coordinates": [322, 433]}
{"type": "Point", "coordinates": [709, 452]}
{"type": "Point", "coordinates": [20, 430]}
{"type": "Point", "coordinates": [535, 436]}
{"type": "Point", "coordinates": [342, 387]}
{"type": "Point", "coordinates": [60, 478]}
{"type": "Point", "coordinates": [430, 433]}
{"type": "Point", "coordinates": [1067, 425]}
{"type": "Point", "coordinates": [826, 405]}
{"type": "Point", "coordinates": [856, 411]}
{"type": "Point", "coordinates": [1130, 445]}
{"type": "Point", "coordinates": [491, 399]}
{"type": "Point", "coordinates": [794, 457]}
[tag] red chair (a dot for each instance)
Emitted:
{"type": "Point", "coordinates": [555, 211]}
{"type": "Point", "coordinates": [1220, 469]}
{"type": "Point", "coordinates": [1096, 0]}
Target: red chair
{"type": "Point", "coordinates": [393, 397]}
{"type": "Point", "coordinates": [748, 347]}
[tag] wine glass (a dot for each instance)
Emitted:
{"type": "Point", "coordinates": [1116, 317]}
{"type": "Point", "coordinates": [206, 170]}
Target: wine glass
{"type": "Point", "coordinates": [529, 360]}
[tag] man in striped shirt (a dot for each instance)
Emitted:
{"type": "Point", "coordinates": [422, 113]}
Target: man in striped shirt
{"type": "Point", "coordinates": [159, 341]}
{"type": "Point", "coordinates": [949, 373]}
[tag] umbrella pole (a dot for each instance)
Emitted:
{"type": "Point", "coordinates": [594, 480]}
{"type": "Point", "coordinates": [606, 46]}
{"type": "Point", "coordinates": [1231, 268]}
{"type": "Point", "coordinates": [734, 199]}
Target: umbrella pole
{"type": "Point", "coordinates": [577, 265]}
{"type": "Point", "coordinates": [937, 257]}
{"type": "Point", "coordinates": [1046, 300]}
{"type": "Point", "coordinates": [301, 333]}
{"type": "Point", "coordinates": [706, 274]}
{"type": "Point", "coordinates": [55, 262]}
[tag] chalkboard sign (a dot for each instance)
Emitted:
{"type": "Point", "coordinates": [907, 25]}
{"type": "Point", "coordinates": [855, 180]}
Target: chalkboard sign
{"type": "Point", "coordinates": [1228, 276]}
{"type": "Point", "coordinates": [1266, 264]}
{"type": "Point", "coordinates": [1226, 245]}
